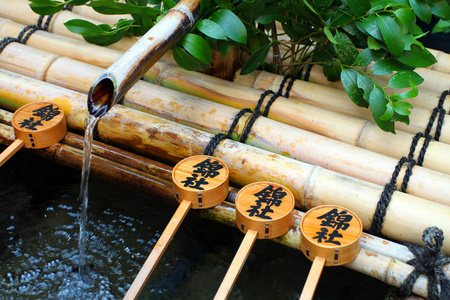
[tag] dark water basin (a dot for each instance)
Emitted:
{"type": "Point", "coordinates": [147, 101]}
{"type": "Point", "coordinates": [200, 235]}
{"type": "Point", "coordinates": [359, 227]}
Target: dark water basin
{"type": "Point", "coordinates": [39, 246]}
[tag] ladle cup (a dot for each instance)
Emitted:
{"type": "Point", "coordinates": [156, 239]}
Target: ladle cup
{"type": "Point", "coordinates": [264, 210]}
{"type": "Point", "coordinates": [36, 125]}
{"type": "Point", "coordinates": [329, 237]}
{"type": "Point", "coordinates": [198, 182]}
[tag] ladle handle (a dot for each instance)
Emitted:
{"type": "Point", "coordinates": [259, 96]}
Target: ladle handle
{"type": "Point", "coordinates": [158, 250]}
{"type": "Point", "coordinates": [10, 151]}
{"type": "Point", "coordinates": [236, 265]}
{"type": "Point", "coordinates": [313, 278]}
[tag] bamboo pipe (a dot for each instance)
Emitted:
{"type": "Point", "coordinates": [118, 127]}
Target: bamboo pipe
{"type": "Point", "coordinates": [337, 100]}
{"type": "Point", "coordinates": [311, 185]}
{"type": "Point", "coordinates": [314, 149]}
{"type": "Point", "coordinates": [352, 131]}
{"type": "Point", "coordinates": [388, 270]}
{"type": "Point", "coordinates": [351, 161]}
{"type": "Point", "coordinates": [114, 83]}
{"type": "Point", "coordinates": [10, 9]}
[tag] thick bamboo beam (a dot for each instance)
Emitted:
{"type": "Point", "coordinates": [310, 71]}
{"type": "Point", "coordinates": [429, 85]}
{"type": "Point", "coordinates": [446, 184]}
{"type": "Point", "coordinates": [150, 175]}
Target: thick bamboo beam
{"type": "Point", "coordinates": [281, 139]}
{"type": "Point", "coordinates": [389, 256]}
{"type": "Point", "coordinates": [364, 134]}
{"type": "Point", "coordinates": [311, 185]}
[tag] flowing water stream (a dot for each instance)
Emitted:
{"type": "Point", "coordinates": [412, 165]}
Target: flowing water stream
{"type": "Point", "coordinates": [84, 197]}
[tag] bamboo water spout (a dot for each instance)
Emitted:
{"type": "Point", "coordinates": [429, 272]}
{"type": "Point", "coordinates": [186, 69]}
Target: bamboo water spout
{"type": "Point", "coordinates": [112, 85]}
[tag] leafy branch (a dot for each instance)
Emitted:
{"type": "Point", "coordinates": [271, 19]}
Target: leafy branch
{"type": "Point", "coordinates": [342, 36]}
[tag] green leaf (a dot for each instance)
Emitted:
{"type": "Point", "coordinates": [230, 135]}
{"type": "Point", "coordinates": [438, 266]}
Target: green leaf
{"type": "Point", "coordinates": [359, 7]}
{"type": "Point", "coordinates": [349, 81]}
{"type": "Point", "coordinates": [370, 25]}
{"type": "Point", "coordinates": [110, 7]}
{"type": "Point", "coordinates": [407, 17]}
{"type": "Point", "coordinates": [404, 79]}
{"type": "Point", "coordinates": [364, 83]}
{"type": "Point", "coordinates": [372, 43]}
{"type": "Point", "coordinates": [417, 57]}
{"type": "Point", "coordinates": [85, 28]}
{"type": "Point", "coordinates": [388, 66]}
{"type": "Point", "coordinates": [223, 3]}
{"type": "Point", "coordinates": [332, 72]}
{"type": "Point", "coordinates": [366, 56]}
{"type": "Point", "coordinates": [441, 9]}
{"type": "Point", "coordinates": [441, 26]}
{"type": "Point", "coordinates": [329, 35]}
{"type": "Point", "coordinates": [268, 19]}
{"type": "Point", "coordinates": [198, 47]}
{"type": "Point", "coordinates": [378, 104]}
{"type": "Point", "coordinates": [388, 113]}
{"type": "Point", "coordinates": [211, 29]}
{"type": "Point", "coordinates": [46, 7]}
{"type": "Point", "coordinates": [410, 40]}
{"type": "Point", "coordinates": [422, 9]}
{"type": "Point", "coordinates": [185, 60]}
{"type": "Point", "coordinates": [392, 34]}
{"type": "Point", "coordinates": [255, 60]}
{"type": "Point", "coordinates": [406, 95]}
{"type": "Point", "coordinates": [345, 48]}
{"type": "Point", "coordinates": [231, 24]}
{"type": "Point", "coordinates": [402, 108]}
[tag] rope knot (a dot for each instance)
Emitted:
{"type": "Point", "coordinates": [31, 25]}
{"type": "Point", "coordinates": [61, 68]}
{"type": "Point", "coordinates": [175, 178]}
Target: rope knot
{"type": "Point", "coordinates": [429, 261]}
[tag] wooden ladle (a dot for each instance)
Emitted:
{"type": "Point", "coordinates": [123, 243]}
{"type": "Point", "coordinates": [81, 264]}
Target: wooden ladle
{"type": "Point", "coordinates": [329, 237]}
{"type": "Point", "coordinates": [198, 182]}
{"type": "Point", "coordinates": [264, 210]}
{"type": "Point", "coordinates": [36, 125]}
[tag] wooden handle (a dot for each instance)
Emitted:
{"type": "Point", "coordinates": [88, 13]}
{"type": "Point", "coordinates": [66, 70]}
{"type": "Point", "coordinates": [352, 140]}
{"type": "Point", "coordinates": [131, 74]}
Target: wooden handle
{"type": "Point", "coordinates": [236, 265]}
{"type": "Point", "coordinates": [158, 250]}
{"type": "Point", "coordinates": [10, 151]}
{"type": "Point", "coordinates": [313, 278]}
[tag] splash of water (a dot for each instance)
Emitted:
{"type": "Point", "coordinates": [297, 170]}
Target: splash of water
{"type": "Point", "coordinates": [87, 156]}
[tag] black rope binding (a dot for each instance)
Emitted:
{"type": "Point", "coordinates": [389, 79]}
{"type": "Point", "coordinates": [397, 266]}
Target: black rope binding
{"type": "Point", "coordinates": [429, 262]}
{"type": "Point", "coordinates": [209, 149]}
{"type": "Point", "coordinates": [390, 188]}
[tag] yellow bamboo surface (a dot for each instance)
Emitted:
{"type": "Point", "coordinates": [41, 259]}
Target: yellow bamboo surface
{"type": "Point", "coordinates": [406, 217]}
{"type": "Point", "coordinates": [10, 10]}
{"type": "Point", "coordinates": [337, 100]}
{"type": "Point", "coordinates": [271, 135]}
{"type": "Point", "coordinates": [364, 134]}
{"type": "Point", "coordinates": [384, 257]}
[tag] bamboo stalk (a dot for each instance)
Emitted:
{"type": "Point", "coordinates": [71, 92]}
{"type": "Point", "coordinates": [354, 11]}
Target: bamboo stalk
{"type": "Point", "coordinates": [363, 134]}
{"type": "Point", "coordinates": [283, 139]}
{"type": "Point", "coordinates": [19, 11]}
{"type": "Point", "coordinates": [337, 100]}
{"type": "Point", "coordinates": [311, 185]}
{"type": "Point", "coordinates": [369, 262]}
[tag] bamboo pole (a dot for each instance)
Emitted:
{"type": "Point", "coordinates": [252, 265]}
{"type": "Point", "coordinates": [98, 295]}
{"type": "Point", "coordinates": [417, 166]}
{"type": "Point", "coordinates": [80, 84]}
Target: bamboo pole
{"type": "Point", "coordinates": [363, 134]}
{"type": "Point", "coordinates": [311, 185]}
{"type": "Point", "coordinates": [337, 100]}
{"type": "Point", "coordinates": [197, 112]}
{"type": "Point", "coordinates": [368, 261]}
{"type": "Point", "coordinates": [19, 11]}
